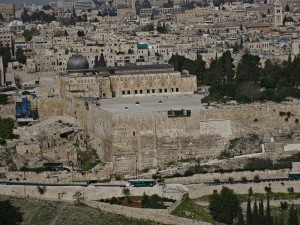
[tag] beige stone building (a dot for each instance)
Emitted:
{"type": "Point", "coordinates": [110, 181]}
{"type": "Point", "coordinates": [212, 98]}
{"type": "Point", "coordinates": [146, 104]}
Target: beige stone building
{"type": "Point", "coordinates": [123, 81]}
{"type": "Point", "coordinates": [7, 10]}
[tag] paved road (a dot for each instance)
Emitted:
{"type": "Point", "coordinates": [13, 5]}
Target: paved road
{"type": "Point", "coordinates": [252, 181]}
{"type": "Point", "coordinates": [55, 185]}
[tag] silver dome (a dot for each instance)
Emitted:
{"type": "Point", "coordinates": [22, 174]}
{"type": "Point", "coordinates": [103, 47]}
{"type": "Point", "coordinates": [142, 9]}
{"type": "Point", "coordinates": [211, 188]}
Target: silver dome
{"type": "Point", "coordinates": [77, 62]}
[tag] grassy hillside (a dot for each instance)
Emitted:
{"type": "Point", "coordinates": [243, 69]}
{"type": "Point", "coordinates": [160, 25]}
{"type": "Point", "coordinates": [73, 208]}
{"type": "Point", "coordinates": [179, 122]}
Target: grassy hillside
{"type": "Point", "coordinates": [38, 212]}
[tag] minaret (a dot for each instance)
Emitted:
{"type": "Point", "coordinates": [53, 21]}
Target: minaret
{"type": "Point", "coordinates": [278, 13]}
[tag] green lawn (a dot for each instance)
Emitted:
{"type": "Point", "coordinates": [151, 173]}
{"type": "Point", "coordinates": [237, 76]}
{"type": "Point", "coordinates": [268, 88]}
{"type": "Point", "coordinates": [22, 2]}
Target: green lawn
{"type": "Point", "coordinates": [38, 212]}
{"type": "Point", "coordinates": [189, 209]}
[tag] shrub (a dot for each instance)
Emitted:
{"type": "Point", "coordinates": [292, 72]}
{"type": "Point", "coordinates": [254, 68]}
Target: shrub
{"type": "Point", "coordinates": [282, 113]}
{"type": "Point", "coordinates": [284, 205]}
{"type": "Point", "coordinates": [290, 190]}
{"type": "Point", "coordinates": [230, 180]}
{"type": "Point", "coordinates": [256, 178]}
{"type": "Point", "coordinates": [244, 179]}
{"type": "Point", "coordinates": [2, 141]}
{"type": "Point", "coordinates": [113, 200]}
{"type": "Point", "coordinates": [224, 206]}
{"type": "Point", "coordinates": [41, 190]}
{"type": "Point", "coordinates": [126, 191]}
{"type": "Point", "coordinates": [268, 189]}
{"type": "Point", "coordinates": [217, 181]}
{"type": "Point", "coordinates": [3, 99]}
{"type": "Point", "coordinates": [250, 191]}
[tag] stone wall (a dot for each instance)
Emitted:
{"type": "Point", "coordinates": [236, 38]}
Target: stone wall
{"type": "Point", "coordinates": [196, 191]}
{"type": "Point", "coordinates": [158, 215]}
{"type": "Point", "coordinates": [7, 111]}
{"type": "Point", "coordinates": [209, 177]}
{"type": "Point", "coordinates": [143, 140]}
{"type": "Point", "coordinates": [48, 107]}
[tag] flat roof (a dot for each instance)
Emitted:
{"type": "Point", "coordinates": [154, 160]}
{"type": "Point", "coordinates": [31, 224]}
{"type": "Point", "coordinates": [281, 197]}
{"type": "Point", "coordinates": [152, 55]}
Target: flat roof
{"type": "Point", "coordinates": [148, 104]}
{"type": "Point", "coordinates": [137, 67]}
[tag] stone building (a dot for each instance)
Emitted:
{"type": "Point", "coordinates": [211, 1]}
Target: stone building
{"type": "Point", "coordinates": [7, 10]}
{"type": "Point", "coordinates": [123, 81]}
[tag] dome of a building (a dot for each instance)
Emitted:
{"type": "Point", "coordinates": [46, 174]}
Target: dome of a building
{"type": "Point", "coordinates": [77, 62]}
{"type": "Point", "coordinates": [16, 23]}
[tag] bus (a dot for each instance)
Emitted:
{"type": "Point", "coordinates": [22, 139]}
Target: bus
{"type": "Point", "coordinates": [294, 175]}
{"type": "Point", "coordinates": [141, 183]}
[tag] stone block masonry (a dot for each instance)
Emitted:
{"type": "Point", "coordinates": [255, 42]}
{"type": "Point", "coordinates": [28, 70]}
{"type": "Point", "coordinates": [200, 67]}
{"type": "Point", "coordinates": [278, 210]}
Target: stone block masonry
{"type": "Point", "coordinates": [140, 140]}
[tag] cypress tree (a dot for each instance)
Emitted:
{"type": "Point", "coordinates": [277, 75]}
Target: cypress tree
{"type": "Point", "coordinates": [240, 217]}
{"type": "Point", "coordinates": [249, 215]}
{"type": "Point", "coordinates": [255, 213]}
{"type": "Point", "coordinates": [96, 62]}
{"type": "Point", "coordinates": [293, 217]}
{"type": "Point", "coordinates": [261, 212]}
{"type": "Point", "coordinates": [268, 218]}
{"type": "Point", "coordinates": [102, 62]}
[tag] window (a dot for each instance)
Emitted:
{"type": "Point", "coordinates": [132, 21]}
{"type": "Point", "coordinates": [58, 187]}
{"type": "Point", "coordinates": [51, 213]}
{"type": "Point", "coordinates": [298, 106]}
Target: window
{"type": "Point", "coordinates": [133, 133]}
{"type": "Point", "coordinates": [148, 91]}
{"type": "Point", "coordinates": [128, 92]}
{"type": "Point", "coordinates": [160, 90]}
{"type": "Point", "coordinates": [103, 95]}
{"type": "Point", "coordinates": [123, 92]}
{"type": "Point", "coordinates": [166, 90]}
{"type": "Point", "coordinates": [141, 91]}
{"type": "Point", "coordinates": [172, 89]}
{"type": "Point", "coordinates": [135, 92]}
{"type": "Point", "coordinates": [153, 90]}
{"type": "Point", "coordinates": [177, 89]}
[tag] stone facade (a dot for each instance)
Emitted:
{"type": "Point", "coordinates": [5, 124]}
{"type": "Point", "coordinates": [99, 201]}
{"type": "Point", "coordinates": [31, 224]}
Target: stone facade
{"type": "Point", "coordinates": [141, 140]}
{"type": "Point", "coordinates": [127, 81]}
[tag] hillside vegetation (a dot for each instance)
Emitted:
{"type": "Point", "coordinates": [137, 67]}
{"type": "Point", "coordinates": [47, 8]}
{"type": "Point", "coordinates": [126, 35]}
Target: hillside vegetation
{"type": "Point", "coordinates": [39, 212]}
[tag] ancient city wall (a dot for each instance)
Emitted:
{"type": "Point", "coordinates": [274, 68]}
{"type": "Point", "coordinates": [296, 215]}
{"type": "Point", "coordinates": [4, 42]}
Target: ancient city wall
{"type": "Point", "coordinates": [209, 177]}
{"type": "Point", "coordinates": [196, 191]}
{"type": "Point", "coordinates": [158, 215]}
{"type": "Point", "coordinates": [49, 106]}
{"type": "Point", "coordinates": [65, 193]}
{"type": "Point", "coordinates": [153, 138]}
{"type": "Point", "coordinates": [143, 140]}
{"type": "Point", "coordinates": [7, 111]}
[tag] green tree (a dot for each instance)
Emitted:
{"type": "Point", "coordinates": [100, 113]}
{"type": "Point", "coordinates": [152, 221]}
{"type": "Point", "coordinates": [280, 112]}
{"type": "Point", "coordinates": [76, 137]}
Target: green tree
{"type": "Point", "coordinates": [80, 33]}
{"type": "Point", "coordinates": [249, 215]}
{"type": "Point", "coordinates": [255, 213]}
{"type": "Point", "coordinates": [102, 62]}
{"type": "Point", "coordinates": [261, 212]}
{"type": "Point", "coordinates": [20, 56]}
{"type": "Point", "coordinates": [293, 216]}
{"type": "Point", "coordinates": [224, 206]}
{"type": "Point", "coordinates": [6, 56]}
{"type": "Point", "coordinates": [240, 217]}
{"type": "Point", "coordinates": [6, 128]}
{"type": "Point", "coordinates": [268, 217]}
{"type": "Point", "coordinates": [195, 67]}
{"type": "Point", "coordinates": [248, 68]}
{"type": "Point", "coordinates": [46, 7]}
{"type": "Point", "coordinates": [28, 34]}
{"type": "Point", "coordinates": [9, 214]}
{"type": "Point", "coordinates": [3, 99]}
{"type": "Point", "coordinates": [96, 62]}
